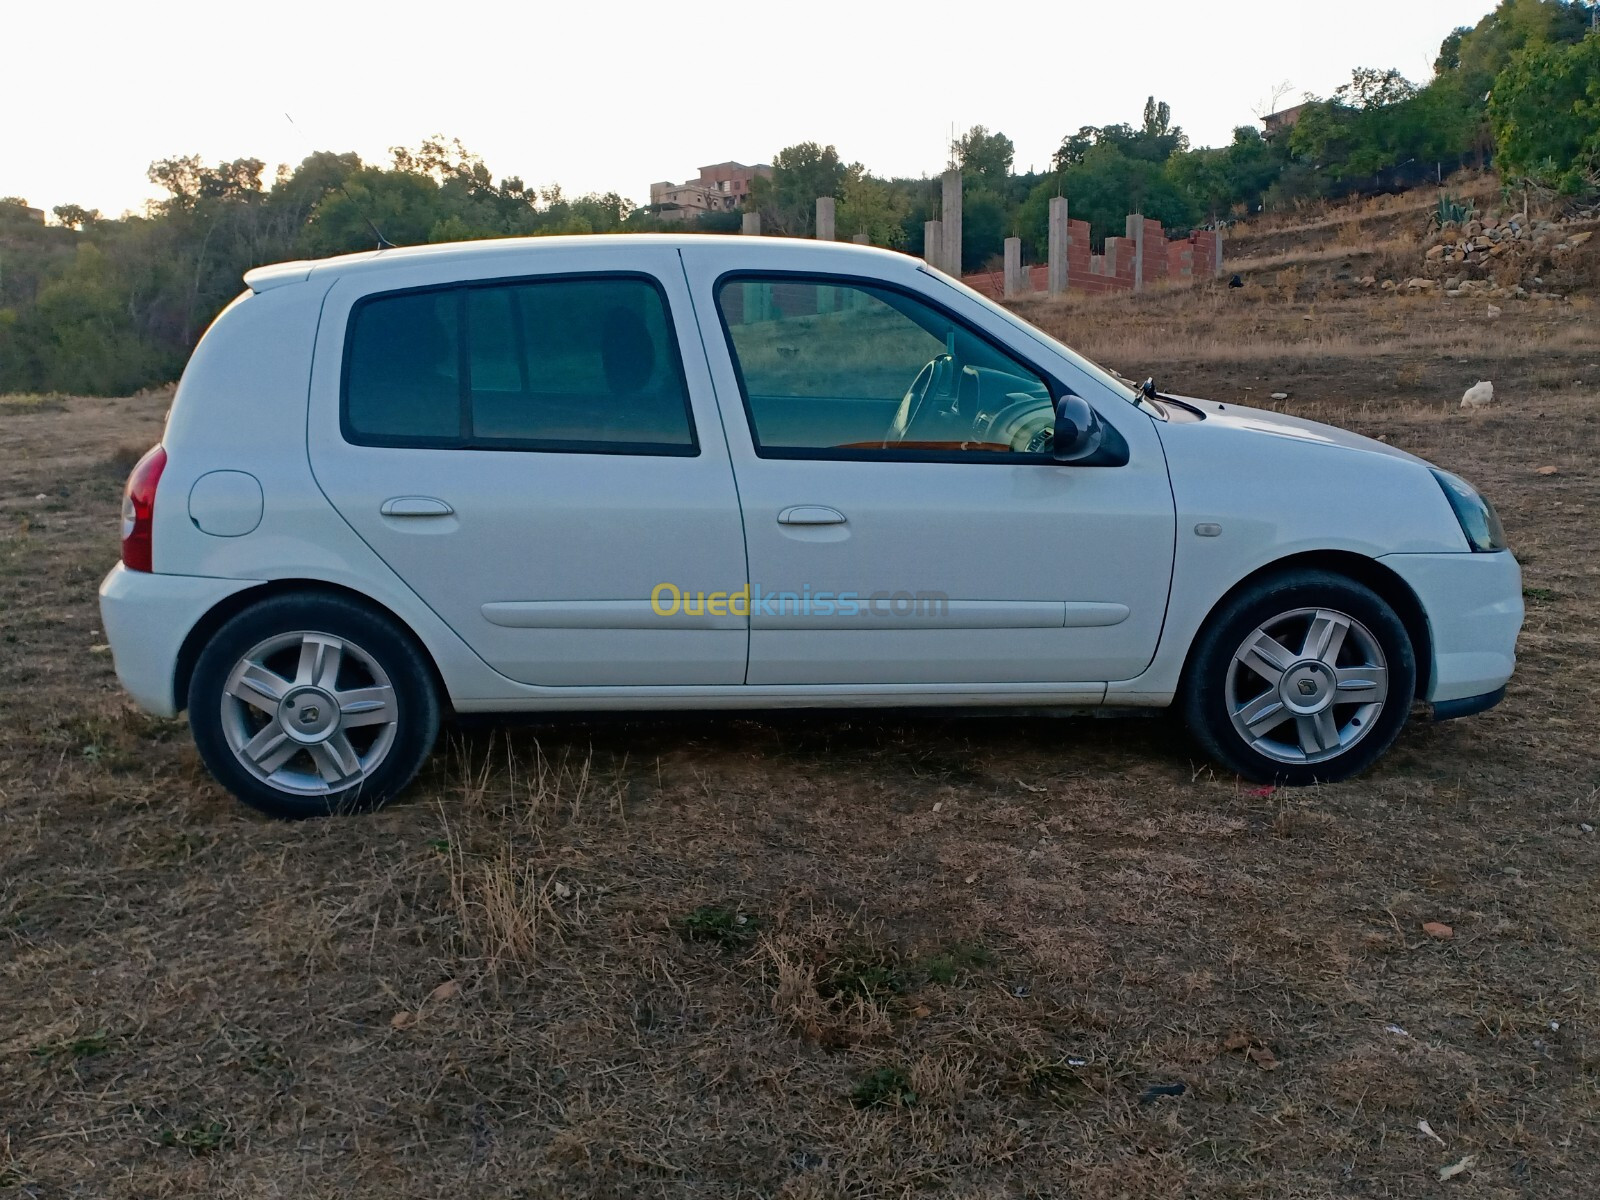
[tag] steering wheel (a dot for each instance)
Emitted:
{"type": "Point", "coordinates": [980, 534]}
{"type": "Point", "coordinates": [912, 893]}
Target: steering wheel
{"type": "Point", "coordinates": [936, 377]}
{"type": "Point", "coordinates": [1025, 424]}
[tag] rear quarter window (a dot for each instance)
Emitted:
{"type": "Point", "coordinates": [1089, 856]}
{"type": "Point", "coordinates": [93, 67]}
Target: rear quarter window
{"type": "Point", "coordinates": [587, 364]}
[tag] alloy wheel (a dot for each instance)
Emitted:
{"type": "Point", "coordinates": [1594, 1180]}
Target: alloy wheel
{"type": "Point", "coordinates": [1307, 685]}
{"type": "Point", "coordinates": [309, 713]}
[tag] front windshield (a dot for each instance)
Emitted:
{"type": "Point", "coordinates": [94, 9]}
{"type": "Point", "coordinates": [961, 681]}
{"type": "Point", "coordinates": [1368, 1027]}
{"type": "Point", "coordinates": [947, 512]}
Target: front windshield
{"type": "Point", "coordinates": [1112, 382]}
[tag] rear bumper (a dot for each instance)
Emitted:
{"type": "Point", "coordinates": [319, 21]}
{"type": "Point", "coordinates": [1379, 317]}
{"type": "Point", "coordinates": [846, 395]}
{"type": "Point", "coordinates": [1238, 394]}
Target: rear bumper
{"type": "Point", "coordinates": [1473, 603]}
{"type": "Point", "coordinates": [147, 619]}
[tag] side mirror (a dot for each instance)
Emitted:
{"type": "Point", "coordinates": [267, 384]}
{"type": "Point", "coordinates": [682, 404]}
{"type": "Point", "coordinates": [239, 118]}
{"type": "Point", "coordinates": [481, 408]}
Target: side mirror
{"type": "Point", "coordinates": [1078, 432]}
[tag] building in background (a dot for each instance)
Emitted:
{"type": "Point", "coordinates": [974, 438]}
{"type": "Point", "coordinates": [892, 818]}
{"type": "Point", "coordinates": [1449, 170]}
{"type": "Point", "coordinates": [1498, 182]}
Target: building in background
{"type": "Point", "coordinates": [721, 187]}
{"type": "Point", "coordinates": [1281, 121]}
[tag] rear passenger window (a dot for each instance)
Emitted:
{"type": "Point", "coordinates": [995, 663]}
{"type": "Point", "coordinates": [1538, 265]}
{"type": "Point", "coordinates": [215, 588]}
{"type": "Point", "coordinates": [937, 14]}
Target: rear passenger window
{"type": "Point", "coordinates": [568, 364]}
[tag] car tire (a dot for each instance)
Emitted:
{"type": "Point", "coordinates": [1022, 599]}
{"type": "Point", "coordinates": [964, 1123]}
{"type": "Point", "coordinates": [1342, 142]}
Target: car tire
{"type": "Point", "coordinates": [310, 705]}
{"type": "Point", "coordinates": [1302, 677]}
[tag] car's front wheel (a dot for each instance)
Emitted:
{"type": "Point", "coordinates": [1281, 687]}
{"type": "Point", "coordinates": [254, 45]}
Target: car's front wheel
{"type": "Point", "coordinates": [304, 706]}
{"type": "Point", "coordinates": [1303, 677]}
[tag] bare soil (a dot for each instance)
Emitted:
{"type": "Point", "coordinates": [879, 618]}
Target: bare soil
{"type": "Point", "coordinates": [832, 955]}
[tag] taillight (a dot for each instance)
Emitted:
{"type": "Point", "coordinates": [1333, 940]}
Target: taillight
{"type": "Point", "coordinates": [139, 509]}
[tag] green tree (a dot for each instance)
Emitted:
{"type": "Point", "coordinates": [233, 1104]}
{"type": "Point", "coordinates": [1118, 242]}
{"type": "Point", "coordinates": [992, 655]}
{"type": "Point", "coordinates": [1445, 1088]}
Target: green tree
{"type": "Point", "coordinates": [984, 158]}
{"type": "Point", "coordinates": [800, 174]}
{"type": "Point", "coordinates": [1546, 114]}
{"type": "Point", "coordinates": [873, 207]}
{"type": "Point", "coordinates": [75, 216]}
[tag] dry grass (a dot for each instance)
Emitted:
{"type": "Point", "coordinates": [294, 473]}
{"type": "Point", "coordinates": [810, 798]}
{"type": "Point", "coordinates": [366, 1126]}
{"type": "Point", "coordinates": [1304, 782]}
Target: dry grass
{"type": "Point", "coordinates": [822, 956]}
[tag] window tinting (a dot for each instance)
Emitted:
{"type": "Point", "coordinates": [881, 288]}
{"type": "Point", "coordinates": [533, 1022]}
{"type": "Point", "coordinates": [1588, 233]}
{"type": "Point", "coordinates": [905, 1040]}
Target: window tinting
{"type": "Point", "coordinates": [404, 368]}
{"type": "Point", "coordinates": [848, 370]}
{"type": "Point", "coordinates": [570, 364]}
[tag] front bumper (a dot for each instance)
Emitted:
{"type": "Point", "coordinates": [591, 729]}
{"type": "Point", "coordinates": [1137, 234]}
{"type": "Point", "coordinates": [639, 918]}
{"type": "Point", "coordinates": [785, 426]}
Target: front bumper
{"type": "Point", "coordinates": [147, 618]}
{"type": "Point", "coordinates": [1473, 603]}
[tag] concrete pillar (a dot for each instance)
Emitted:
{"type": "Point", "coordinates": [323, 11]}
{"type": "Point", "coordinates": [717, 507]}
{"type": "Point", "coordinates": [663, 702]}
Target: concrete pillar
{"type": "Point", "coordinates": [1134, 227]}
{"type": "Point", "coordinates": [861, 239]}
{"type": "Point", "coordinates": [1216, 262]}
{"type": "Point", "coordinates": [751, 223]}
{"type": "Point", "coordinates": [1057, 246]}
{"type": "Point", "coordinates": [825, 218]}
{"type": "Point", "coordinates": [933, 244]}
{"type": "Point", "coordinates": [1114, 256]}
{"type": "Point", "coordinates": [1013, 277]}
{"type": "Point", "coordinates": [951, 219]}
{"type": "Point", "coordinates": [756, 301]}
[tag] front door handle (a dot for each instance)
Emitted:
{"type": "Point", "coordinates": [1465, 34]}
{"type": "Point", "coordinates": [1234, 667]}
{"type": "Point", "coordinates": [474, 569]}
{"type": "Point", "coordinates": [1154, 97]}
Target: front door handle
{"type": "Point", "coordinates": [415, 506]}
{"type": "Point", "coordinates": [810, 514]}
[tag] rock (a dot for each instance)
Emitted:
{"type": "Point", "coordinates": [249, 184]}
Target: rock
{"type": "Point", "coordinates": [1546, 471]}
{"type": "Point", "coordinates": [1438, 930]}
{"type": "Point", "coordinates": [1453, 283]}
{"type": "Point", "coordinates": [1455, 293]}
{"type": "Point", "coordinates": [1493, 312]}
{"type": "Point", "coordinates": [1478, 395]}
{"type": "Point", "coordinates": [1280, 395]}
{"type": "Point", "coordinates": [1388, 285]}
{"type": "Point", "coordinates": [1435, 252]}
{"type": "Point", "coordinates": [1367, 281]}
{"type": "Point", "coordinates": [1579, 239]}
{"type": "Point", "coordinates": [1419, 284]}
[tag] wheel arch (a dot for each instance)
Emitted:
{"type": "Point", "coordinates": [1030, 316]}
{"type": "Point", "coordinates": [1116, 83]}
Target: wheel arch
{"type": "Point", "coordinates": [231, 606]}
{"type": "Point", "coordinates": [1392, 589]}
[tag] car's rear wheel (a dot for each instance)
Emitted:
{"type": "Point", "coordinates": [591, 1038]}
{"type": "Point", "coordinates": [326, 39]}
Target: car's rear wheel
{"type": "Point", "coordinates": [1303, 677]}
{"type": "Point", "coordinates": [303, 706]}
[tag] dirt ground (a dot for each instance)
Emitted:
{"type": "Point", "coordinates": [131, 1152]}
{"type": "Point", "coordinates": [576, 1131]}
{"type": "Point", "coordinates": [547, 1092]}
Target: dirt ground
{"type": "Point", "coordinates": [826, 956]}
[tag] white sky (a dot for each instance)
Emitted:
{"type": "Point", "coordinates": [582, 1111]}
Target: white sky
{"type": "Point", "coordinates": [601, 98]}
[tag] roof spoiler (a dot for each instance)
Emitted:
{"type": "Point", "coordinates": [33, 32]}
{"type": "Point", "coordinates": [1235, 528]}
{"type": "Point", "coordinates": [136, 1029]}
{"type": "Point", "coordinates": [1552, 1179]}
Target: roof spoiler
{"type": "Point", "coordinates": [277, 274]}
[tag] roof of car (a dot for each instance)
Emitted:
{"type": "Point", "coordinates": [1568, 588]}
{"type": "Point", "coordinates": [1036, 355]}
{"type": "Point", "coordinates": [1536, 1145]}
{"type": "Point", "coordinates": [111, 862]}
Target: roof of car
{"type": "Point", "coordinates": [277, 274]}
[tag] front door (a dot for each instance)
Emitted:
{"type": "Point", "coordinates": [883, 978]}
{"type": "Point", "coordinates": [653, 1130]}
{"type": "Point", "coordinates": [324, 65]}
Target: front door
{"type": "Point", "coordinates": [535, 457]}
{"type": "Point", "coordinates": [905, 523]}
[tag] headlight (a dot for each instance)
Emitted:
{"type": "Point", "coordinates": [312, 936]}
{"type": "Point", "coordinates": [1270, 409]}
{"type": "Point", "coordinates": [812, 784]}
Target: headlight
{"type": "Point", "coordinates": [1479, 521]}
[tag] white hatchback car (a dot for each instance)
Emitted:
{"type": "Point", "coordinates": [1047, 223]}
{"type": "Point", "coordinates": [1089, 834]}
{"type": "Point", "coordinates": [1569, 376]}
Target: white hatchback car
{"type": "Point", "coordinates": [637, 473]}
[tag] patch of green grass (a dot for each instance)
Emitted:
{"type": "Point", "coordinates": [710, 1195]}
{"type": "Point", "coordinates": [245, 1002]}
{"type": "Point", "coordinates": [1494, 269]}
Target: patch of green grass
{"type": "Point", "coordinates": [1541, 594]}
{"type": "Point", "coordinates": [957, 962]}
{"type": "Point", "coordinates": [887, 1087]}
{"type": "Point", "coordinates": [199, 1138]}
{"type": "Point", "coordinates": [32, 402]}
{"type": "Point", "coordinates": [862, 971]}
{"type": "Point", "coordinates": [87, 1045]}
{"type": "Point", "coordinates": [721, 926]}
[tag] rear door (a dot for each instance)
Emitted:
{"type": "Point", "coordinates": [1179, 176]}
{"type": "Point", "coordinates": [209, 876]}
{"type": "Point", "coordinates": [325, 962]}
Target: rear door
{"type": "Point", "coordinates": [536, 452]}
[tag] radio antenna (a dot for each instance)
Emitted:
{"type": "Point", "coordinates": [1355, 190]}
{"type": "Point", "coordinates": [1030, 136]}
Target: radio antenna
{"type": "Point", "coordinates": [383, 242]}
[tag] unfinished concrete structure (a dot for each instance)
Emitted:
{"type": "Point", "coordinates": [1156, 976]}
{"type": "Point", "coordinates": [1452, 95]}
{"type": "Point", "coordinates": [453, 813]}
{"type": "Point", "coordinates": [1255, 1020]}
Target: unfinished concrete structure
{"type": "Point", "coordinates": [1143, 257]}
{"type": "Point", "coordinates": [950, 220]}
{"type": "Point", "coordinates": [825, 215]}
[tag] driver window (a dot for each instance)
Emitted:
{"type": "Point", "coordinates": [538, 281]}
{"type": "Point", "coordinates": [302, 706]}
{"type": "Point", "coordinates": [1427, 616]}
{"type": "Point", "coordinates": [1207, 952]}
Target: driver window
{"type": "Point", "coordinates": [845, 370]}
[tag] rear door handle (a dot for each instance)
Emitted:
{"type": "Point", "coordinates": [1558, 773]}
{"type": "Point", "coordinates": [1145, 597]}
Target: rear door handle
{"type": "Point", "coordinates": [810, 514]}
{"type": "Point", "coordinates": [415, 506]}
